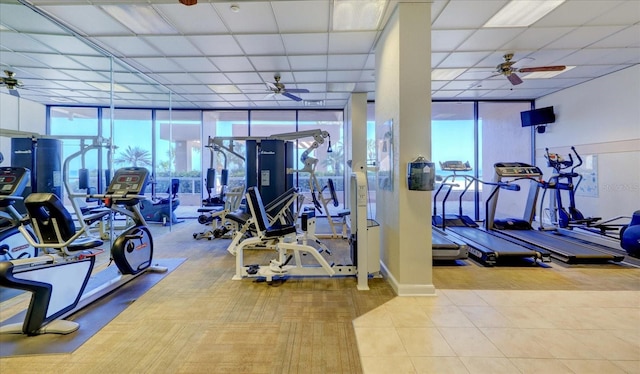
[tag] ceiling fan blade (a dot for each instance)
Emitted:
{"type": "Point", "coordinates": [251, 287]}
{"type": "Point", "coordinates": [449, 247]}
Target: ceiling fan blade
{"type": "Point", "coordinates": [269, 96]}
{"type": "Point", "coordinates": [292, 97]}
{"type": "Point", "coordinates": [298, 90]}
{"type": "Point", "coordinates": [542, 68]}
{"type": "Point", "coordinates": [271, 86]}
{"type": "Point", "coordinates": [14, 92]}
{"type": "Point", "coordinates": [514, 79]}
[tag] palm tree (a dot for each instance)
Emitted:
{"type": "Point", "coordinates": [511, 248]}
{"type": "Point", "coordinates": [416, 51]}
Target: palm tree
{"type": "Point", "coordinates": [134, 156]}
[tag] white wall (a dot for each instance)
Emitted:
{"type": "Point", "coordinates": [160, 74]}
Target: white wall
{"type": "Point", "coordinates": [600, 117]}
{"type": "Point", "coordinates": [19, 114]}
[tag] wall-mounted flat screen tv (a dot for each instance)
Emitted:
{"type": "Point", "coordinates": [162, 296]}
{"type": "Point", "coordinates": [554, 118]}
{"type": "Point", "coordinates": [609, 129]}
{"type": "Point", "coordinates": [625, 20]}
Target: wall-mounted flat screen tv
{"type": "Point", "coordinates": [537, 117]}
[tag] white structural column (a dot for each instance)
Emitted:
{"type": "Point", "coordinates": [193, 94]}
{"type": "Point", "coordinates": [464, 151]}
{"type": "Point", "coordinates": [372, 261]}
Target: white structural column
{"type": "Point", "coordinates": [403, 98]}
{"type": "Point", "coordinates": [356, 135]}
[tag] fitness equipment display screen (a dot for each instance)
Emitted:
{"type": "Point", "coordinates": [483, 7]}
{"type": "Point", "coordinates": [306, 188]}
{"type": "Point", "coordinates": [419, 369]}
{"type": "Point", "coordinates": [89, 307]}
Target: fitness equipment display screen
{"type": "Point", "coordinates": [128, 181]}
{"type": "Point", "coordinates": [12, 180]}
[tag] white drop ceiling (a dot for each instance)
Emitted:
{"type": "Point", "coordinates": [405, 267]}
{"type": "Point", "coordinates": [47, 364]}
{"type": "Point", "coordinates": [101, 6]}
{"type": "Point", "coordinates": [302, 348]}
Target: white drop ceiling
{"type": "Point", "coordinates": [210, 57]}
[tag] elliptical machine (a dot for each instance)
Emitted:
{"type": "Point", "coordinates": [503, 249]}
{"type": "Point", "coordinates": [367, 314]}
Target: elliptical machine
{"type": "Point", "coordinates": [58, 280]}
{"type": "Point", "coordinates": [564, 181]}
{"type": "Point", "coordinates": [13, 244]}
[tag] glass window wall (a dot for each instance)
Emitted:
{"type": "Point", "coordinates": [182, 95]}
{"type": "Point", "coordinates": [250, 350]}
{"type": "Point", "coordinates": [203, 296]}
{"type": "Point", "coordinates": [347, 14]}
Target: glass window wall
{"type": "Point", "coordinates": [503, 139]}
{"type": "Point", "coordinates": [453, 144]}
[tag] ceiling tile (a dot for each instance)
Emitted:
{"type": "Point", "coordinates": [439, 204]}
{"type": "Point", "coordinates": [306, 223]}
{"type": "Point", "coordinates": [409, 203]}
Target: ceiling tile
{"type": "Point", "coordinates": [576, 13]}
{"type": "Point", "coordinates": [268, 44]}
{"type": "Point", "coordinates": [67, 44]}
{"type": "Point", "coordinates": [20, 59]}
{"type": "Point", "coordinates": [449, 40]}
{"type": "Point", "coordinates": [196, 19]}
{"type": "Point", "coordinates": [603, 57]}
{"type": "Point", "coordinates": [584, 36]}
{"type": "Point", "coordinates": [351, 42]}
{"type": "Point", "coordinates": [367, 76]}
{"type": "Point", "coordinates": [216, 45]}
{"type": "Point", "coordinates": [173, 45]}
{"type": "Point", "coordinates": [178, 78]}
{"type": "Point", "coordinates": [56, 61]}
{"type": "Point", "coordinates": [310, 76]}
{"type": "Point", "coordinates": [157, 64]}
{"type": "Point", "coordinates": [252, 17]}
{"type": "Point", "coordinates": [212, 97]}
{"type": "Point", "coordinates": [617, 13]}
{"type": "Point", "coordinates": [535, 38]}
{"type": "Point", "coordinates": [314, 87]}
{"type": "Point", "coordinates": [371, 61]}
{"type": "Point", "coordinates": [343, 76]}
{"type": "Point", "coordinates": [211, 78]}
{"type": "Point", "coordinates": [490, 39]}
{"type": "Point", "coordinates": [22, 43]}
{"type": "Point", "coordinates": [365, 87]}
{"type": "Point", "coordinates": [347, 62]}
{"type": "Point", "coordinates": [437, 58]}
{"type": "Point", "coordinates": [467, 14]}
{"type": "Point", "coordinates": [94, 62]}
{"type": "Point", "coordinates": [87, 20]}
{"type": "Point", "coordinates": [315, 62]}
{"type": "Point", "coordinates": [554, 82]}
{"type": "Point", "coordinates": [127, 46]}
{"type": "Point", "coordinates": [239, 63]}
{"type": "Point", "coordinates": [305, 16]}
{"type": "Point", "coordinates": [192, 89]}
{"type": "Point", "coordinates": [233, 97]}
{"type": "Point", "coordinates": [270, 63]}
{"type": "Point", "coordinates": [305, 44]}
{"type": "Point", "coordinates": [463, 59]}
{"type": "Point", "coordinates": [19, 17]}
{"type": "Point", "coordinates": [629, 37]}
{"type": "Point", "coordinates": [146, 88]}
{"type": "Point", "coordinates": [195, 64]}
{"type": "Point", "coordinates": [244, 78]}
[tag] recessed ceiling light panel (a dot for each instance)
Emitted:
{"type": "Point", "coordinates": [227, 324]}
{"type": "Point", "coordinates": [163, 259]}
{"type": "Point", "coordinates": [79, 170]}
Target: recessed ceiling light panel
{"type": "Point", "coordinates": [522, 13]}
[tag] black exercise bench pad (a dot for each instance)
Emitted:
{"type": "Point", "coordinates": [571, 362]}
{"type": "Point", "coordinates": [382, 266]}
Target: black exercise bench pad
{"type": "Point", "coordinates": [91, 319]}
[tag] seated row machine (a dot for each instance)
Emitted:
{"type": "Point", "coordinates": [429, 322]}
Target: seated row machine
{"type": "Point", "coordinates": [288, 249]}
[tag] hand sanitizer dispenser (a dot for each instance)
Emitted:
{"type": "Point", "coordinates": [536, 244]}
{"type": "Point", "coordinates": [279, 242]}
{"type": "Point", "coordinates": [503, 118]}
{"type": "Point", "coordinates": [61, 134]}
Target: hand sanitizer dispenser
{"type": "Point", "coordinates": [421, 175]}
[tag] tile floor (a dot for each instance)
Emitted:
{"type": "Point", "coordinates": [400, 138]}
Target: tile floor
{"type": "Point", "coordinates": [487, 331]}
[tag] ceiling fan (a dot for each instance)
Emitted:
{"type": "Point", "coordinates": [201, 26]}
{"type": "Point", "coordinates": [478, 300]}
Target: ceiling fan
{"type": "Point", "coordinates": [278, 88]}
{"type": "Point", "coordinates": [506, 68]}
{"type": "Point", "coordinates": [11, 83]}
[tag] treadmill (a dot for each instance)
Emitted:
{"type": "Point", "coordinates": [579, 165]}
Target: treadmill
{"type": "Point", "coordinates": [447, 248]}
{"type": "Point", "coordinates": [562, 247]}
{"type": "Point", "coordinates": [484, 246]}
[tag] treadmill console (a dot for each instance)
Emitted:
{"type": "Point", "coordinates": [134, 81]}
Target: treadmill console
{"type": "Point", "coordinates": [516, 169]}
{"type": "Point", "coordinates": [455, 166]}
{"type": "Point", "coordinates": [13, 180]}
{"type": "Point", "coordinates": [128, 181]}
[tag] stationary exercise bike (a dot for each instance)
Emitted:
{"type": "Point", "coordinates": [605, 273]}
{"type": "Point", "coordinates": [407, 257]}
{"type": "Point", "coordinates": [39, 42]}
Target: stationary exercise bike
{"type": "Point", "coordinates": [162, 210]}
{"type": "Point", "coordinates": [13, 245]}
{"type": "Point", "coordinates": [59, 279]}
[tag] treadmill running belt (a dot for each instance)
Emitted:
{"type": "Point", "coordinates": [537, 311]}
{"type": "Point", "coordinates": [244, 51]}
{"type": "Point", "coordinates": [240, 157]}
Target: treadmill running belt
{"type": "Point", "coordinates": [563, 247]}
{"type": "Point", "coordinates": [501, 246]}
